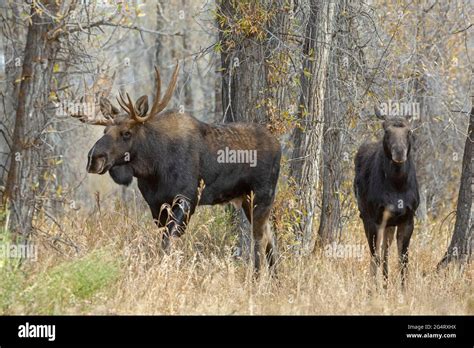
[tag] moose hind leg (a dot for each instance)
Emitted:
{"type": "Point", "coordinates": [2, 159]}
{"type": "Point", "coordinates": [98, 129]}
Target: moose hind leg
{"type": "Point", "coordinates": [262, 234]}
{"type": "Point", "coordinates": [271, 252]}
{"type": "Point", "coordinates": [260, 242]}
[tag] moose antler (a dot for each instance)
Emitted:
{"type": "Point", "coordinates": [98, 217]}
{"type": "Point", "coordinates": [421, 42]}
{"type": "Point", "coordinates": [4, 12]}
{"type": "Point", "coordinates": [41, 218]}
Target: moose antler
{"type": "Point", "coordinates": [99, 90]}
{"type": "Point", "coordinates": [158, 104]}
{"type": "Point", "coordinates": [129, 108]}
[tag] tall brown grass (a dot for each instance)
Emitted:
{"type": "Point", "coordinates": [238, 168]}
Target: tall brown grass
{"type": "Point", "coordinates": [110, 263]}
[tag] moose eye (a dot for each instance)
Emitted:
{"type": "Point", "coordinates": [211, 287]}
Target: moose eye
{"type": "Point", "coordinates": [126, 135]}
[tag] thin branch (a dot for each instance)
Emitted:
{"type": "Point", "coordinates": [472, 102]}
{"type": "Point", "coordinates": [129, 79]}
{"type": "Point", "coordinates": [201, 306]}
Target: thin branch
{"type": "Point", "coordinates": [133, 27]}
{"type": "Point", "coordinates": [462, 30]}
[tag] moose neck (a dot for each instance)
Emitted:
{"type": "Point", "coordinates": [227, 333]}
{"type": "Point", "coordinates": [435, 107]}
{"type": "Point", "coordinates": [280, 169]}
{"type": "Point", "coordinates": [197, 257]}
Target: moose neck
{"type": "Point", "coordinates": [147, 153]}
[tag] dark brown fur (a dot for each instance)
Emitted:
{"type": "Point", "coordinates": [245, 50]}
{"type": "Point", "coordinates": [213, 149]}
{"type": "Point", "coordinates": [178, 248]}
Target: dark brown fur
{"type": "Point", "coordinates": [172, 152]}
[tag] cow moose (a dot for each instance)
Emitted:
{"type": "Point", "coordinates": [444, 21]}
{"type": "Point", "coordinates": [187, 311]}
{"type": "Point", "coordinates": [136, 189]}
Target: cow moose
{"type": "Point", "coordinates": [172, 153]}
{"type": "Point", "coordinates": [386, 189]}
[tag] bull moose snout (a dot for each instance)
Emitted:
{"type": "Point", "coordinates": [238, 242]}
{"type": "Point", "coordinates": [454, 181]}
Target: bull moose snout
{"type": "Point", "coordinates": [96, 164]}
{"type": "Point", "coordinates": [98, 161]}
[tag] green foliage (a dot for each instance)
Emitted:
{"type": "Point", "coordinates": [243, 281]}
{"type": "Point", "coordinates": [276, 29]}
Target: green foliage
{"type": "Point", "coordinates": [69, 284]}
{"type": "Point", "coordinates": [248, 20]}
{"type": "Point", "coordinates": [82, 278]}
{"type": "Point", "coordinates": [12, 280]}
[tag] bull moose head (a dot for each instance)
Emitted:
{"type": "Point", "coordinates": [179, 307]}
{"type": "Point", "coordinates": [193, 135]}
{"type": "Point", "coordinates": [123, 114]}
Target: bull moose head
{"type": "Point", "coordinates": [124, 132]}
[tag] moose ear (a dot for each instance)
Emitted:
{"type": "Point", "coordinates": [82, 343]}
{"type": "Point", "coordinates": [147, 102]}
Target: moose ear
{"type": "Point", "coordinates": [379, 113]}
{"type": "Point", "coordinates": [141, 105]}
{"type": "Point", "coordinates": [107, 109]}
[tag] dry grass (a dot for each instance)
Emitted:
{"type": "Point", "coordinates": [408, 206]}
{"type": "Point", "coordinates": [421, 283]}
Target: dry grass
{"type": "Point", "coordinates": [119, 270]}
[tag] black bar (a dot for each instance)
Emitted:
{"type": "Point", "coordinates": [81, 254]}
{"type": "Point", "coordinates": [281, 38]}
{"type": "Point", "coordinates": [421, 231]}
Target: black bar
{"type": "Point", "coordinates": [288, 330]}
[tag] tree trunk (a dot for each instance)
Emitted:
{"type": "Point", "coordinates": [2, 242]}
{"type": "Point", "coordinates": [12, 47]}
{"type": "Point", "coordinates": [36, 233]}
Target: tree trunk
{"type": "Point", "coordinates": [26, 174]}
{"type": "Point", "coordinates": [243, 77]}
{"type": "Point", "coordinates": [12, 41]}
{"type": "Point", "coordinates": [307, 138]}
{"type": "Point", "coordinates": [334, 129]}
{"type": "Point", "coordinates": [461, 246]}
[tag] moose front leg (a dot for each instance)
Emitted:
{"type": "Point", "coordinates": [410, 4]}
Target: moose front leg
{"type": "Point", "coordinates": [387, 241]}
{"type": "Point", "coordinates": [177, 219]}
{"type": "Point", "coordinates": [161, 218]}
{"type": "Point", "coordinates": [404, 232]}
{"type": "Point", "coordinates": [371, 230]}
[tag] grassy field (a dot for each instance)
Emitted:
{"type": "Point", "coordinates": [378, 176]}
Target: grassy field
{"type": "Point", "coordinates": [110, 263]}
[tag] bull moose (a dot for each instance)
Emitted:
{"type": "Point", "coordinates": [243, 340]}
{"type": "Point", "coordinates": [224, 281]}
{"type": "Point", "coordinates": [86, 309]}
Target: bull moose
{"type": "Point", "coordinates": [172, 153]}
{"type": "Point", "coordinates": [386, 189]}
